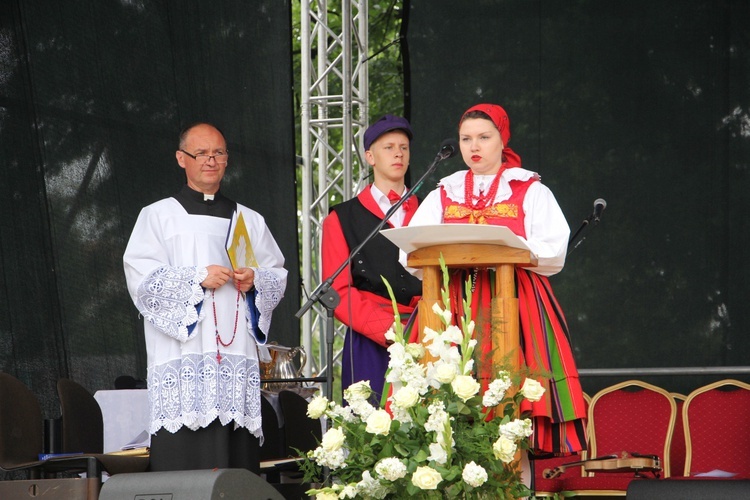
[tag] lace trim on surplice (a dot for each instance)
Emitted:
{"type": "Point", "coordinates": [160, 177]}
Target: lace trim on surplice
{"type": "Point", "coordinates": [168, 296]}
{"type": "Point", "coordinates": [270, 293]}
{"type": "Point", "coordinates": [194, 390]}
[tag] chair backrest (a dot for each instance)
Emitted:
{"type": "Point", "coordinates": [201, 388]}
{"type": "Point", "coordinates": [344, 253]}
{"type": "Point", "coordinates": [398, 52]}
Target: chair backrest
{"type": "Point", "coordinates": [82, 422]}
{"type": "Point", "coordinates": [717, 428]}
{"type": "Point", "coordinates": [21, 424]}
{"type": "Point", "coordinates": [300, 431]}
{"type": "Point", "coordinates": [633, 417]}
{"type": "Point", "coordinates": [273, 435]}
{"type": "Point", "coordinates": [677, 449]}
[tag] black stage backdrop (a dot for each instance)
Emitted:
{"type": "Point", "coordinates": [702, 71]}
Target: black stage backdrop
{"type": "Point", "coordinates": [642, 103]}
{"type": "Point", "coordinates": [92, 97]}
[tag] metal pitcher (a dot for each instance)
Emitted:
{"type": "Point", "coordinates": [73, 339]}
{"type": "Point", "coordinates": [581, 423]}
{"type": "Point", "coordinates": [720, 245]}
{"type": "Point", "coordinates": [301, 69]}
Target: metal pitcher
{"type": "Point", "coordinates": [282, 365]}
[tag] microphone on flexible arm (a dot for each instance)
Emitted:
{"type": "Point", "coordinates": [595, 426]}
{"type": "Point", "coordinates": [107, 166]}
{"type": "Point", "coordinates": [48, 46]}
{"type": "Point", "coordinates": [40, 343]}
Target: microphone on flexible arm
{"type": "Point", "coordinates": [599, 205]}
{"type": "Point", "coordinates": [448, 149]}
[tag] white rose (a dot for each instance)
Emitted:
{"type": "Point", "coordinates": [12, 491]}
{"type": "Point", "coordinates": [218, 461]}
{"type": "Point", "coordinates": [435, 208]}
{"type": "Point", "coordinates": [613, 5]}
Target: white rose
{"type": "Point", "coordinates": [333, 439]}
{"type": "Point", "coordinates": [317, 407]}
{"type": "Point", "coordinates": [358, 392]}
{"type": "Point", "coordinates": [416, 351]}
{"type": "Point", "coordinates": [379, 422]}
{"type": "Point", "coordinates": [532, 390]}
{"type": "Point", "coordinates": [326, 495]}
{"type": "Point", "coordinates": [504, 449]}
{"type": "Point", "coordinates": [465, 387]}
{"type": "Point", "coordinates": [406, 397]}
{"type": "Point", "coordinates": [426, 478]}
{"type": "Point", "coordinates": [445, 373]}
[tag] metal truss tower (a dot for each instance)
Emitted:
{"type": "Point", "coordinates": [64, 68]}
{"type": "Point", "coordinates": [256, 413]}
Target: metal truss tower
{"type": "Point", "coordinates": [334, 115]}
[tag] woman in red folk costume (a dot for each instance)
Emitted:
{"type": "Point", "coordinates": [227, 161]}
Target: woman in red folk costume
{"type": "Point", "coordinates": [496, 190]}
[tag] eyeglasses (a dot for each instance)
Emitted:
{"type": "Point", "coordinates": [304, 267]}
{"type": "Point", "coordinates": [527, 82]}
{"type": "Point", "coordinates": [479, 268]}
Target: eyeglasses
{"type": "Point", "coordinates": [221, 158]}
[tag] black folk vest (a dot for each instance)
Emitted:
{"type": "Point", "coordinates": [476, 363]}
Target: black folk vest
{"type": "Point", "coordinates": [378, 257]}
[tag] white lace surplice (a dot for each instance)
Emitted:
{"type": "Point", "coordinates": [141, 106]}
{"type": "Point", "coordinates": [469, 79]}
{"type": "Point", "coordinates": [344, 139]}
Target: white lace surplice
{"type": "Point", "coordinates": [165, 262]}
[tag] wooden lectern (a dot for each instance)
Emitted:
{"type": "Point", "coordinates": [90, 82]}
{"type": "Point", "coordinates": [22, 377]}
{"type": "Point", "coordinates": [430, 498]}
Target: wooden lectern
{"type": "Point", "coordinates": [468, 246]}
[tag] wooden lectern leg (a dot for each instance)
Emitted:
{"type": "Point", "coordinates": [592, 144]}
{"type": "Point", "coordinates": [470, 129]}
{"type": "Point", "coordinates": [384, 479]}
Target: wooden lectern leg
{"type": "Point", "coordinates": [505, 337]}
{"type": "Point", "coordinates": [431, 286]}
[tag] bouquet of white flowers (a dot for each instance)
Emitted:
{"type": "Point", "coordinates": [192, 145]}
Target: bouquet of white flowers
{"type": "Point", "coordinates": [440, 437]}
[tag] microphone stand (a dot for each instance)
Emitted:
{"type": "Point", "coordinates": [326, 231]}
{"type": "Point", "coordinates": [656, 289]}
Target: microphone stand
{"type": "Point", "coordinates": [328, 297]}
{"type": "Point", "coordinates": [584, 225]}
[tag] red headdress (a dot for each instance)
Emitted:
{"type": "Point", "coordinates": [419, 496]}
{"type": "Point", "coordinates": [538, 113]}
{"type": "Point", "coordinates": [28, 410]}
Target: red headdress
{"type": "Point", "coordinates": [500, 118]}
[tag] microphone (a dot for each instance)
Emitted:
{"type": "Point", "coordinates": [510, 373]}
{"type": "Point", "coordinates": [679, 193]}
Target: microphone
{"type": "Point", "coordinates": [448, 149]}
{"type": "Point", "coordinates": [599, 205]}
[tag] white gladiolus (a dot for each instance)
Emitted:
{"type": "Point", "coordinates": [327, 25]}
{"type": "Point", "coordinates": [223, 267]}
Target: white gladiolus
{"type": "Point", "coordinates": [438, 453]}
{"type": "Point", "coordinates": [453, 334]}
{"type": "Point", "coordinates": [390, 335]}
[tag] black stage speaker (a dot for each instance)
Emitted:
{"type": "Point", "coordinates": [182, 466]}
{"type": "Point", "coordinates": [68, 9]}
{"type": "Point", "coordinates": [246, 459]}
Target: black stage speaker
{"type": "Point", "coordinates": [216, 484]}
{"type": "Point", "coordinates": [50, 489]}
{"type": "Point", "coordinates": [689, 489]}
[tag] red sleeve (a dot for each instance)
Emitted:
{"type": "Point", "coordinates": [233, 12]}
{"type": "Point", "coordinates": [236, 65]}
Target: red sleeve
{"type": "Point", "coordinates": [361, 311]}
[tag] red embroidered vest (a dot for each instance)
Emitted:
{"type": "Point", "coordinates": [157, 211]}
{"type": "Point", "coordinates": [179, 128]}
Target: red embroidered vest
{"type": "Point", "coordinates": [507, 213]}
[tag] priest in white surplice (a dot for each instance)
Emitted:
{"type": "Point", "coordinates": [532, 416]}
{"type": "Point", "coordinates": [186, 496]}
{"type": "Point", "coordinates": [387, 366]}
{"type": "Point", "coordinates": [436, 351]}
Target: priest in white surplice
{"type": "Point", "coordinates": [202, 318]}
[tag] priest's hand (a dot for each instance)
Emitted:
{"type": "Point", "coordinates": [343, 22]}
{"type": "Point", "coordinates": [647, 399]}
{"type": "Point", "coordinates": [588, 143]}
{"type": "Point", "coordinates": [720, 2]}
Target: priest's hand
{"type": "Point", "coordinates": [217, 276]}
{"type": "Point", "coordinates": [245, 278]}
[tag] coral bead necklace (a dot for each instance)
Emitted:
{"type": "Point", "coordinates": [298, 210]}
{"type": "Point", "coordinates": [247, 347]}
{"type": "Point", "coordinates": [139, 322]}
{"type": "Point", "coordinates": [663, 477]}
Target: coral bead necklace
{"type": "Point", "coordinates": [482, 199]}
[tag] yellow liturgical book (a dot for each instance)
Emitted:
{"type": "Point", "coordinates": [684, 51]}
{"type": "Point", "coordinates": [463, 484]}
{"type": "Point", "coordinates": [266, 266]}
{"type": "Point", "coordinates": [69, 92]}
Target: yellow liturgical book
{"type": "Point", "coordinates": [239, 248]}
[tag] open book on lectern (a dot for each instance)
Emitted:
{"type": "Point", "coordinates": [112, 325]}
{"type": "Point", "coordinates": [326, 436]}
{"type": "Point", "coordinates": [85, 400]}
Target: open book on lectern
{"type": "Point", "coordinates": [412, 238]}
